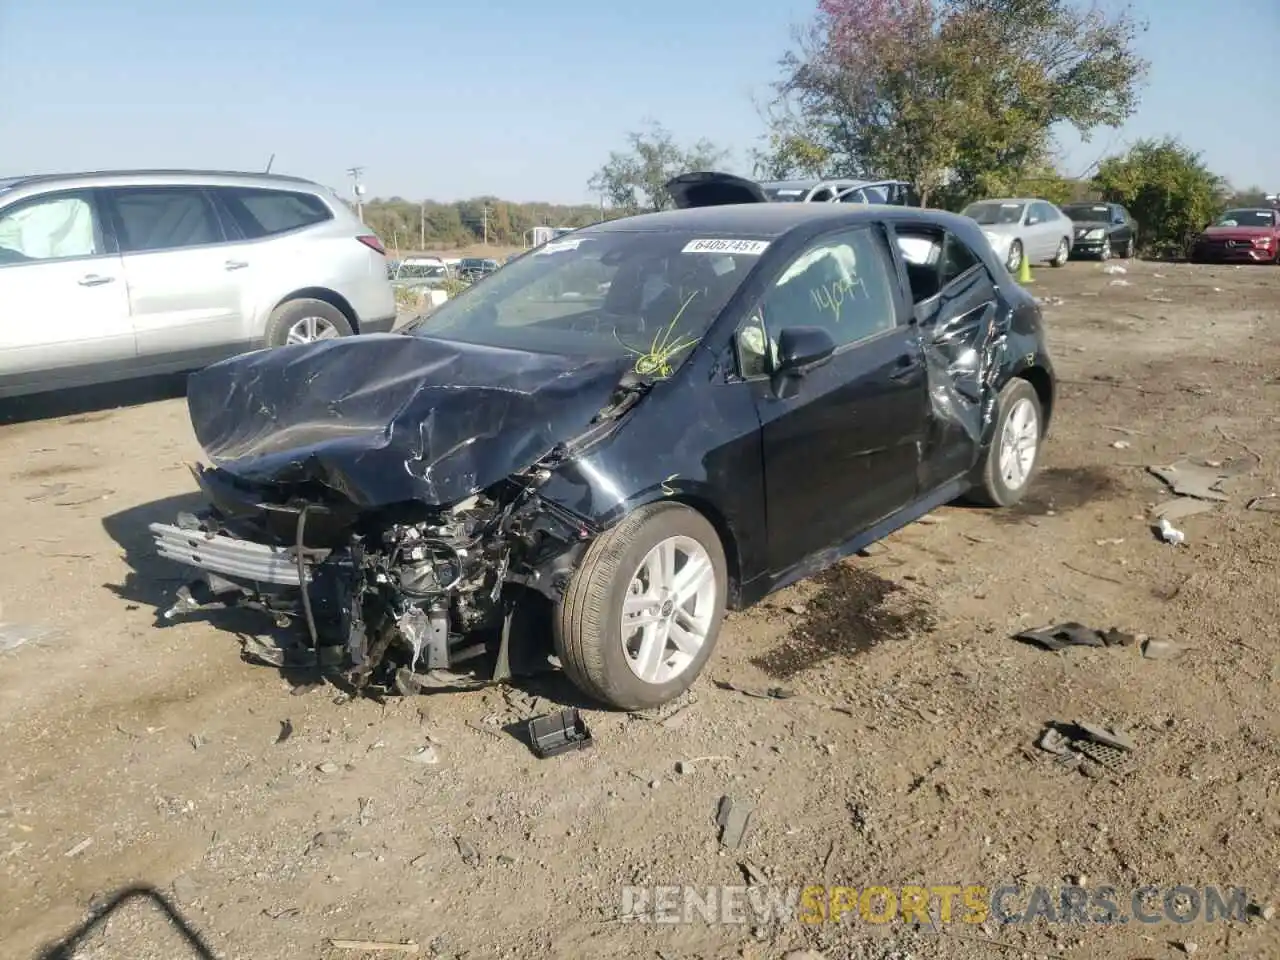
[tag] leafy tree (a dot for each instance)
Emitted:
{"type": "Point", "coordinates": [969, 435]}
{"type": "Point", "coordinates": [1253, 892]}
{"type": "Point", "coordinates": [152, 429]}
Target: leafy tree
{"type": "Point", "coordinates": [633, 180]}
{"type": "Point", "coordinates": [1167, 188]}
{"type": "Point", "coordinates": [791, 155]}
{"type": "Point", "coordinates": [954, 93]}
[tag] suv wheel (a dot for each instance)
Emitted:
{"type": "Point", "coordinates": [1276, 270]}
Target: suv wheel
{"type": "Point", "coordinates": [642, 613]}
{"type": "Point", "coordinates": [306, 321]}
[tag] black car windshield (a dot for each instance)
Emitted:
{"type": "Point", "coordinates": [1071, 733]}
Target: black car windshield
{"type": "Point", "coordinates": [1088, 212]}
{"type": "Point", "coordinates": [1247, 218]}
{"type": "Point", "coordinates": [651, 295]}
{"type": "Point", "coordinates": [993, 212]}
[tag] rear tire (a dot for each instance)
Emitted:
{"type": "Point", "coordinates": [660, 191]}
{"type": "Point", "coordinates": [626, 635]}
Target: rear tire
{"type": "Point", "coordinates": [1129, 249]}
{"type": "Point", "coordinates": [293, 320]}
{"type": "Point", "coordinates": [589, 636]}
{"type": "Point", "coordinates": [1019, 428]}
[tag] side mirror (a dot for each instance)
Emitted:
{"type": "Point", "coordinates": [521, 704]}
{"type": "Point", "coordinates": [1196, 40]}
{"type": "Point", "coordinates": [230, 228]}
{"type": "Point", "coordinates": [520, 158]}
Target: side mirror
{"type": "Point", "coordinates": [802, 348]}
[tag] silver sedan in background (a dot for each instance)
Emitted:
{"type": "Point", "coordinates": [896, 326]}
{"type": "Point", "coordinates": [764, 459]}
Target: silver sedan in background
{"type": "Point", "coordinates": [1030, 228]}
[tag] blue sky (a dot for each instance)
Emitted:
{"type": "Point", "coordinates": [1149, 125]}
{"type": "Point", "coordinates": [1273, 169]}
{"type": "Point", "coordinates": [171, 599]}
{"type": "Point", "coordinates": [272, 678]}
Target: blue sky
{"type": "Point", "coordinates": [512, 98]}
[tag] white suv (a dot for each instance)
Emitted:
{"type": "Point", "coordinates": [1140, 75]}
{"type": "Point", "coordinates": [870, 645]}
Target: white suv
{"type": "Point", "coordinates": [108, 276]}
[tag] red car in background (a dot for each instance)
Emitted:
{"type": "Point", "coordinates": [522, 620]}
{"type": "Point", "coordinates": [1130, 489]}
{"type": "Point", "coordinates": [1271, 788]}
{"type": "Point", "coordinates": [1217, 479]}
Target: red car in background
{"type": "Point", "coordinates": [1249, 235]}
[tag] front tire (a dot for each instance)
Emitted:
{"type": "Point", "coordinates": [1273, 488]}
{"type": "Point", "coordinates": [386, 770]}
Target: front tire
{"type": "Point", "coordinates": [1010, 460]}
{"type": "Point", "coordinates": [1105, 254]}
{"type": "Point", "coordinates": [1014, 260]}
{"type": "Point", "coordinates": [642, 613]}
{"type": "Point", "coordinates": [1129, 249]}
{"type": "Point", "coordinates": [1064, 254]}
{"type": "Point", "coordinates": [305, 321]}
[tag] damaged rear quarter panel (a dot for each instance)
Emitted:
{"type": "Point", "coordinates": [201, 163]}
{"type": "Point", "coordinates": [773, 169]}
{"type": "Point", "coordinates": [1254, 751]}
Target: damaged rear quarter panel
{"type": "Point", "coordinates": [693, 439]}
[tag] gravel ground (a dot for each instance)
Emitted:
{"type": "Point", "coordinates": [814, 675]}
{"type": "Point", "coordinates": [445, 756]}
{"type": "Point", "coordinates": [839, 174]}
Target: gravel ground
{"type": "Point", "coordinates": [152, 756]}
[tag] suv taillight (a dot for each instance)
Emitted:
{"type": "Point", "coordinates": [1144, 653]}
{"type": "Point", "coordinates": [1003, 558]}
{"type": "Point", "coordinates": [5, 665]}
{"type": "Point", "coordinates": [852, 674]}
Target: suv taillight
{"type": "Point", "coordinates": [372, 242]}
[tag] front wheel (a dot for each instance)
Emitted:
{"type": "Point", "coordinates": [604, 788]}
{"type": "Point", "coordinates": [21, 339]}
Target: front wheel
{"type": "Point", "coordinates": [1105, 254]}
{"type": "Point", "coordinates": [1129, 249]}
{"type": "Point", "coordinates": [1064, 253]}
{"type": "Point", "coordinates": [1014, 260]}
{"type": "Point", "coordinates": [1005, 472]}
{"type": "Point", "coordinates": [642, 613]}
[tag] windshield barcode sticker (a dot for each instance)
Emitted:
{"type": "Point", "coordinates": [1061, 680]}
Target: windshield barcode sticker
{"type": "Point", "coordinates": [750, 248]}
{"type": "Point", "coordinates": [557, 246]}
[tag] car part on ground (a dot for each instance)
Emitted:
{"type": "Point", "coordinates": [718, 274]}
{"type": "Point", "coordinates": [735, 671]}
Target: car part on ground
{"type": "Point", "coordinates": [445, 505]}
{"type": "Point", "coordinates": [115, 275]}
{"type": "Point", "coordinates": [1102, 230]}
{"type": "Point", "coordinates": [1249, 235]}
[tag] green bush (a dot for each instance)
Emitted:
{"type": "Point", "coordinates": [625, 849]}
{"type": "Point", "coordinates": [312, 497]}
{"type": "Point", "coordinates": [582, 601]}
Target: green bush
{"type": "Point", "coordinates": [1167, 188]}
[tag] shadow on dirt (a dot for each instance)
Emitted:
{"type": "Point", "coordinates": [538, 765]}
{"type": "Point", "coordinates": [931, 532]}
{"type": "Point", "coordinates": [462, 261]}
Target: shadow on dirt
{"type": "Point", "coordinates": [90, 404]}
{"type": "Point", "coordinates": [68, 947]}
{"type": "Point", "coordinates": [853, 611]}
{"type": "Point", "coordinates": [151, 580]}
{"type": "Point", "coordinates": [1060, 490]}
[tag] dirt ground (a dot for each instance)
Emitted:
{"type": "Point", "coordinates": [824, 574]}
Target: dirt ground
{"type": "Point", "coordinates": [139, 754]}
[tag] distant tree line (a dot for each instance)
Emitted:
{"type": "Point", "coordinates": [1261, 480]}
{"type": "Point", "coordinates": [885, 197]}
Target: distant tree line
{"type": "Point", "coordinates": [432, 225]}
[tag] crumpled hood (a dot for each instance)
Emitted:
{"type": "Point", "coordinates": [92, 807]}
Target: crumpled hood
{"type": "Point", "coordinates": [388, 418]}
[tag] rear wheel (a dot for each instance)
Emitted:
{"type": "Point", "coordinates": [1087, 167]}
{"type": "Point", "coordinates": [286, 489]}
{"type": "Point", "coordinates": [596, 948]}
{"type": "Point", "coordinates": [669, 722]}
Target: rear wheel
{"type": "Point", "coordinates": [642, 613]}
{"type": "Point", "coordinates": [1005, 472]}
{"type": "Point", "coordinates": [306, 321]}
{"type": "Point", "coordinates": [1014, 260]}
{"type": "Point", "coordinates": [1064, 252]}
{"type": "Point", "coordinates": [1128, 249]}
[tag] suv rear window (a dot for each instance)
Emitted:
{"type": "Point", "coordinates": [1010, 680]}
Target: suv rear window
{"type": "Point", "coordinates": [262, 213]}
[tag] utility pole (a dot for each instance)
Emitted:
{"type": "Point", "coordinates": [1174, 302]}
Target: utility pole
{"type": "Point", "coordinates": [357, 190]}
{"type": "Point", "coordinates": [422, 225]}
{"type": "Point", "coordinates": [486, 224]}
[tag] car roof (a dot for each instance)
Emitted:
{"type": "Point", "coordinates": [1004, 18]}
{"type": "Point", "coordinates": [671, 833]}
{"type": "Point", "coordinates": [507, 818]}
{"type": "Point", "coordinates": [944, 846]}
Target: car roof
{"type": "Point", "coordinates": [159, 177]}
{"type": "Point", "coordinates": [772, 219]}
{"type": "Point", "coordinates": [1010, 200]}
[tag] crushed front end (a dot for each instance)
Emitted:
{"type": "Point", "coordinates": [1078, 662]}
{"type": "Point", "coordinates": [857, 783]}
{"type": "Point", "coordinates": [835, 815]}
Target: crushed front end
{"type": "Point", "coordinates": [407, 596]}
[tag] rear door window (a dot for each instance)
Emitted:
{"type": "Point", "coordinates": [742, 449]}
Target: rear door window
{"type": "Point", "coordinates": [164, 218]}
{"type": "Point", "coordinates": [58, 227]}
{"type": "Point", "coordinates": [261, 213]}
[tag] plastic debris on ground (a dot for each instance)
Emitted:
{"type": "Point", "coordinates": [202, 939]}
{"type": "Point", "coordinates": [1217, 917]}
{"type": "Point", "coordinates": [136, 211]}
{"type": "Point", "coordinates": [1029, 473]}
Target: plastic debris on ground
{"type": "Point", "coordinates": [1201, 480]}
{"type": "Point", "coordinates": [1120, 283]}
{"type": "Point", "coordinates": [1073, 634]}
{"type": "Point", "coordinates": [733, 817]}
{"type": "Point", "coordinates": [1092, 748]}
{"type": "Point", "coordinates": [1114, 268]}
{"type": "Point", "coordinates": [15, 635]}
{"type": "Point", "coordinates": [558, 733]}
{"type": "Point", "coordinates": [1169, 533]}
{"type": "Point", "coordinates": [1181, 507]}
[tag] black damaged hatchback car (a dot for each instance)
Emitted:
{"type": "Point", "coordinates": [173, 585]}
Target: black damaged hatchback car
{"type": "Point", "coordinates": [612, 440]}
